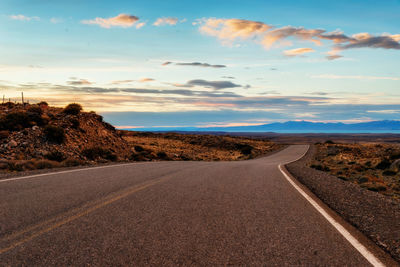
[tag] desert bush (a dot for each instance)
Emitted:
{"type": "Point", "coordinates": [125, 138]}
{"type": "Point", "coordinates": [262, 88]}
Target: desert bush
{"type": "Point", "coordinates": [46, 164]}
{"type": "Point", "coordinates": [54, 134]}
{"type": "Point", "coordinates": [73, 109]}
{"type": "Point", "coordinates": [389, 173]}
{"type": "Point", "coordinates": [4, 134]}
{"type": "Point", "coordinates": [35, 109]}
{"type": "Point", "coordinates": [377, 188]}
{"type": "Point", "coordinates": [75, 123]}
{"type": "Point", "coordinates": [43, 104]}
{"type": "Point", "coordinates": [395, 155]}
{"type": "Point", "coordinates": [139, 148]}
{"type": "Point", "coordinates": [55, 156]}
{"type": "Point", "coordinates": [162, 155]}
{"type": "Point", "coordinates": [71, 162]}
{"type": "Point", "coordinates": [362, 180]}
{"type": "Point", "coordinates": [384, 164]}
{"type": "Point", "coordinates": [97, 152]}
{"type": "Point", "coordinates": [329, 142]}
{"type": "Point", "coordinates": [15, 121]}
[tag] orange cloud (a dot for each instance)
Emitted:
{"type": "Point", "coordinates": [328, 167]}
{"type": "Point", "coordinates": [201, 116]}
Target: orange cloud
{"type": "Point", "coordinates": [122, 20]}
{"type": "Point", "coordinates": [144, 80]}
{"type": "Point", "coordinates": [230, 29]}
{"type": "Point", "coordinates": [297, 52]}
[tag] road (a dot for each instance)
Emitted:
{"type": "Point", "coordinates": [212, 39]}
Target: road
{"type": "Point", "coordinates": [168, 213]}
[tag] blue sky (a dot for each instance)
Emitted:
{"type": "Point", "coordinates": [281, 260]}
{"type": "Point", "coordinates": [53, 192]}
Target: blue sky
{"type": "Point", "coordinates": [205, 63]}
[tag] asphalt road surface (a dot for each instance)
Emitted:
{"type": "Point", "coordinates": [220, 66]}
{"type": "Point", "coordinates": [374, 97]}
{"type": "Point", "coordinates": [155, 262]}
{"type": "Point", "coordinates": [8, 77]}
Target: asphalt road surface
{"type": "Point", "coordinates": [168, 213]}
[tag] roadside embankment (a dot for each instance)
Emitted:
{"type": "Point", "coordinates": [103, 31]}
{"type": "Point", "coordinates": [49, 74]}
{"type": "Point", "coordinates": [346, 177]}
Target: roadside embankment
{"type": "Point", "coordinates": [375, 215]}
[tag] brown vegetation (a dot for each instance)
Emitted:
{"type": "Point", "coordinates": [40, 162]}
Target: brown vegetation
{"type": "Point", "coordinates": [175, 146]}
{"type": "Point", "coordinates": [375, 167]}
{"type": "Point", "coordinates": [40, 136]}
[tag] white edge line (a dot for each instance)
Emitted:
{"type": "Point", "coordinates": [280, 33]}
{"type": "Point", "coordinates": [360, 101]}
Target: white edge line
{"type": "Point", "coordinates": [69, 171]}
{"type": "Point", "coordinates": [349, 237]}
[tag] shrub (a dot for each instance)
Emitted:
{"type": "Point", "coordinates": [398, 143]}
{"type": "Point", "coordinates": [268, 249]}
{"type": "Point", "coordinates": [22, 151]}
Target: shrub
{"type": "Point", "coordinates": [73, 109]}
{"type": "Point", "coordinates": [363, 180]}
{"type": "Point", "coordinates": [46, 164]}
{"type": "Point", "coordinates": [54, 134]}
{"type": "Point", "coordinates": [4, 134]}
{"type": "Point", "coordinates": [96, 152]}
{"type": "Point", "coordinates": [384, 164]}
{"type": "Point", "coordinates": [71, 162]}
{"type": "Point", "coordinates": [43, 104]}
{"type": "Point", "coordinates": [35, 109]}
{"type": "Point", "coordinates": [329, 142]}
{"type": "Point", "coordinates": [55, 156]}
{"type": "Point", "coordinates": [162, 155]}
{"type": "Point", "coordinates": [15, 121]}
{"type": "Point", "coordinates": [139, 148]}
{"type": "Point", "coordinates": [389, 173]}
{"type": "Point", "coordinates": [75, 123]}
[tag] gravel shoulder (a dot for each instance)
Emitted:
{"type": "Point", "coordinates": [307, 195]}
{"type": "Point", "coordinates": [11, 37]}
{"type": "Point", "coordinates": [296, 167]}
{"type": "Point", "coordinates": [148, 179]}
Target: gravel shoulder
{"type": "Point", "coordinates": [376, 216]}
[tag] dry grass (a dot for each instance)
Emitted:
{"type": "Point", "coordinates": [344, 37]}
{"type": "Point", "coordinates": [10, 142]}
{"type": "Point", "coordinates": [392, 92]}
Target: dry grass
{"type": "Point", "coordinates": [200, 147]}
{"type": "Point", "coordinates": [368, 165]}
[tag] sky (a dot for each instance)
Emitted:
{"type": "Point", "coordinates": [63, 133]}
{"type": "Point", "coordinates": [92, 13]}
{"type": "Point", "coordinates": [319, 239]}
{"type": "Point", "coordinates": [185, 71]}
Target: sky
{"type": "Point", "coordinates": [205, 63]}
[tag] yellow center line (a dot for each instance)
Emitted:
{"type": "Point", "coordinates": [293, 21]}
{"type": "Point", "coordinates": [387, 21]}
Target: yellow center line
{"type": "Point", "coordinates": [78, 215]}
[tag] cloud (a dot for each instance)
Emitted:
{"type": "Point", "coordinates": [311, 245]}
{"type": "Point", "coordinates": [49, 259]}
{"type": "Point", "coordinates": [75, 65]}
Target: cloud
{"type": "Point", "coordinates": [362, 40]}
{"type": "Point", "coordinates": [228, 77]}
{"type": "Point", "coordinates": [23, 17]}
{"type": "Point", "coordinates": [165, 21]}
{"type": "Point", "coordinates": [144, 80]}
{"type": "Point", "coordinates": [278, 35]}
{"type": "Point", "coordinates": [195, 64]}
{"type": "Point", "coordinates": [230, 29]}
{"type": "Point", "coordinates": [56, 20]}
{"type": "Point", "coordinates": [122, 81]}
{"type": "Point", "coordinates": [216, 85]}
{"type": "Point", "coordinates": [140, 25]}
{"type": "Point", "coordinates": [122, 20]}
{"type": "Point", "coordinates": [297, 52]}
{"type": "Point", "coordinates": [354, 77]}
{"type": "Point", "coordinates": [79, 82]}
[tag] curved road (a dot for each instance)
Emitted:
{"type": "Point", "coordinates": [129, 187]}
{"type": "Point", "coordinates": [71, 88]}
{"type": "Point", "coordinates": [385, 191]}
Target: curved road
{"type": "Point", "coordinates": [168, 213]}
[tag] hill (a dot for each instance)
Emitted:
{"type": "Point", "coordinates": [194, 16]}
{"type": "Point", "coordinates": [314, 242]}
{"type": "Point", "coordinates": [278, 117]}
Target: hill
{"type": "Point", "coordinates": [40, 137]}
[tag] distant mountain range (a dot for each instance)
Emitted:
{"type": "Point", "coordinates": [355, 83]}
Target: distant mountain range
{"type": "Point", "coordinates": [386, 126]}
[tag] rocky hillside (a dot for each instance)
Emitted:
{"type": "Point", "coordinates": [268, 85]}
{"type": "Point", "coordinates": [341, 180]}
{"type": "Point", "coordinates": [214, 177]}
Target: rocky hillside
{"type": "Point", "coordinates": [39, 136]}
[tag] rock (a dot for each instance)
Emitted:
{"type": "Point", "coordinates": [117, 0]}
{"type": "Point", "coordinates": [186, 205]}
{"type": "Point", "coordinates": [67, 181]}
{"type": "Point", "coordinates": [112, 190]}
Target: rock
{"type": "Point", "coordinates": [395, 166]}
{"type": "Point", "coordinates": [12, 143]}
{"type": "Point", "coordinates": [35, 128]}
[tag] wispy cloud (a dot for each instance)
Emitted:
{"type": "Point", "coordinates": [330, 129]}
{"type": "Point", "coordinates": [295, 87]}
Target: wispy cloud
{"type": "Point", "coordinates": [122, 81]}
{"type": "Point", "coordinates": [166, 21]}
{"type": "Point", "coordinates": [79, 82]}
{"type": "Point", "coordinates": [122, 20]}
{"type": "Point", "coordinates": [145, 80]}
{"type": "Point", "coordinates": [140, 25]}
{"type": "Point", "coordinates": [297, 52]}
{"type": "Point", "coordinates": [216, 85]}
{"type": "Point", "coordinates": [56, 20]}
{"type": "Point", "coordinates": [23, 17]}
{"type": "Point", "coordinates": [354, 77]}
{"type": "Point", "coordinates": [195, 64]}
